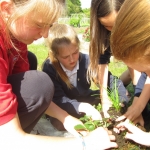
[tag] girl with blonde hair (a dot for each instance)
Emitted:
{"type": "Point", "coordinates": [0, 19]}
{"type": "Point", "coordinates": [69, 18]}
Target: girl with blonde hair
{"type": "Point", "coordinates": [26, 95]}
{"type": "Point", "coordinates": [130, 43]}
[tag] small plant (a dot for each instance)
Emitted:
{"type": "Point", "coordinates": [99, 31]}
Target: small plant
{"type": "Point", "coordinates": [86, 34]}
{"type": "Point", "coordinates": [114, 95]}
{"type": "Point", "coordinates": [98, 107]}
{"type": "Point", "coordinates": [90, 125]}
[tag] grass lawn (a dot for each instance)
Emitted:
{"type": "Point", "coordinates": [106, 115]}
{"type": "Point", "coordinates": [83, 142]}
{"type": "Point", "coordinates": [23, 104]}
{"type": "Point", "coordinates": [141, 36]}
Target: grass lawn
{"type": "Point", "coordinates": [41, 52]}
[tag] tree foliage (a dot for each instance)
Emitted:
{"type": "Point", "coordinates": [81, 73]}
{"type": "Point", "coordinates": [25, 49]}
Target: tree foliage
{"type": "Point", "coordinates": [73, 6]}
{"type": "Point", "coordinates": [86, 11]}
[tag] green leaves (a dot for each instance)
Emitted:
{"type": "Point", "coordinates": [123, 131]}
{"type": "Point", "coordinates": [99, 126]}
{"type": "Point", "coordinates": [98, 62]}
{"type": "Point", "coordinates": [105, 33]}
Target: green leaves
{"type": "Point", "coordinates": [98, 107]}
{"type": "Point", "coordinates": [113, 95]}
{"type": "Point", "coordinates": [85, 118]}
{"type": "Point", "coordinates": [80, 127]}
{"type": "Point", "coordinates": [90, 125]}
{"type": "Point", "coordinates": [73, 6]}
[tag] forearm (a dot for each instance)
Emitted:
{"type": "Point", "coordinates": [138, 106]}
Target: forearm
{"type": "Point", "coordinates": [69, 105]}
{"type": "Point", "coordinates": [103, 79]}
{"type": "Point", "coordinates": [135, 75]}
{"type": "Point", "coordinates": [53, 143]}
{"type": "Point", "coordinates": [144, 97]}
{"type": "Point", "coordinates": [14, 138]}
{"type": "Point", "coordinates": [54, 111]}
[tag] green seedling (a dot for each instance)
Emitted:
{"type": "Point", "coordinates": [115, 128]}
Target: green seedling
{"type": "Point", "coordinates": [80, 127]}
{"type": "Point", "coordinates": [90, 125]}
{"type": "Point", "coordinates": [114, 95]}
{"type": "Point", "coordinates": [98, 107]}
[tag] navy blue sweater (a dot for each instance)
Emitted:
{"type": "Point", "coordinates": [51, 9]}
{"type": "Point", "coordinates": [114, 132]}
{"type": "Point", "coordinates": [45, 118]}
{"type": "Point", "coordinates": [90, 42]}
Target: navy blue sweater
{"type": "Point", "coordinates": [63, 96]}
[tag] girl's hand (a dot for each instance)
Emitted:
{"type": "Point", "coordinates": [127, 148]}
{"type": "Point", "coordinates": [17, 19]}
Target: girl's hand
{"type": "Point", "coordinates": [100, 139]}
{"type": "Point", "coordinates": [70, 122]}
{"type": "Point", "coordinates": [105, 107]}
{"type": "Point", "coordinates": [89, 110]}
{"type": "Point", "coordinates": [139, 120]}
{"type": "Point", "coordinates": [133, 114]}
{"type": "Point", "coordinates": [135, 134]}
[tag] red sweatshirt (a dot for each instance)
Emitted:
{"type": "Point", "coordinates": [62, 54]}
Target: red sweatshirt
{"type": "Point", "coordinates": [11, 62]}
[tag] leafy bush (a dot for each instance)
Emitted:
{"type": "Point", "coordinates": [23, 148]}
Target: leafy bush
{"type": "Point", "coordinates": [75, 22]}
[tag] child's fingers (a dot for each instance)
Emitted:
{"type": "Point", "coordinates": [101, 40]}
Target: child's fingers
{"type": "Point", "coordinates": [116, 130]}
{"type": "Point", "coordinates": [113, 144]}
{"type": "Point", "coordinates": [127, 121]}
{"type": "Point", "coordinates": [139, 120]}
{"type": "Point", "coordinates": [129, 136]}
{"type": "Point", "coordinates": [83, 133]}
{"type": "Point", "coordinates": [130, 127]}
{"type": "Point", "coordinates": [121, 118]}
{"type": "Point", "coordinates": [109, 132]}
{"type": "Point", "coordinates": [112, 137]}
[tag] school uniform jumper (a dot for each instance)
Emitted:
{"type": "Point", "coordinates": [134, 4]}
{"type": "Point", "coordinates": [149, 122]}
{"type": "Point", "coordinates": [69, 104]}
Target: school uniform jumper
{"type": "Point", "coordinates": [69, 99]}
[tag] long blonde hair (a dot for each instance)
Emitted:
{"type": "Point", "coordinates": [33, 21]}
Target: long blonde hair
{"type": "Point", "coordinates": [49, 10]}
{"type": "Point", "coordinates": [130, 39]}
{"type": "Point", "coordinates": [99, 35]}
{"type": "Point", "coordinates": [59, 35]}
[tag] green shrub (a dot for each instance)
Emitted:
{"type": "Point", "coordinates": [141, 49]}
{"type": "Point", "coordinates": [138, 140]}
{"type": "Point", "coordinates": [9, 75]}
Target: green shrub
{"type": "Point", "coordinates": [75, 22]}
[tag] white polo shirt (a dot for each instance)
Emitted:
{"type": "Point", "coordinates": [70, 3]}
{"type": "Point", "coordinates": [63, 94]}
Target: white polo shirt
{"type": "Point", "coordinates": [72, 75]}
